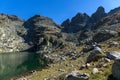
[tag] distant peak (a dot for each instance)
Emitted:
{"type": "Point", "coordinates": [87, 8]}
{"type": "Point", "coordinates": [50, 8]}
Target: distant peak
{"type": "Point", "coordinates": [37, 15]}
{"type": "Point", "coordinates": [100, 9]}
{"type": "Point", "coordinates": [81, 14]}
{"type": "Point", "coordinates": [114, 11]}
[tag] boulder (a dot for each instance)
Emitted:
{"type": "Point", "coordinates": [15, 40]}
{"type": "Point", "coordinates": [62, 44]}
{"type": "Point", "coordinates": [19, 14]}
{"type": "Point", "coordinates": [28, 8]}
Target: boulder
{"type": "Point", "coordinates": [116, 69]}
{"type": "Point", "coordinates": [96, 51]}
{"type": "Point", "coordinates": [75, 75]}
{"type": "Point", "coordinates": [107, 60]}
{"type": "Point", "coordinates": [95, 70]}
{"type": "Point", "coordinates": [113, 55]}
{"type": "Point", "coordinates": [113, 44]}
{"type": "Point", "coordinates": [104, 35]}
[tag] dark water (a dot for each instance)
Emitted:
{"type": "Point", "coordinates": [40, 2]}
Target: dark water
{"type": "Point", "coordinates": [13, 64]}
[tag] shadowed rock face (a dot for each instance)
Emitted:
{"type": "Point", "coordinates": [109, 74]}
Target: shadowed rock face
{"type": "Point", "coordinates": [114, 11]}
{"type": "Point", "coordinates": [83, 21]}
{"type": "Point", "coordinates": [42, 33]}
{"type": "Point", "coordinates": [33, 34]}
{"type": "Point", "coordinates": [76, 24]}
{"type": "Point", "coordinates": [98, 15]}
{"type": "Point", "coordinates": [116, 69]}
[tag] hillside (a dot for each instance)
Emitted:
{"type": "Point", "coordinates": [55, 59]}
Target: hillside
{"type": "Point", "coordinates": [83, 48]}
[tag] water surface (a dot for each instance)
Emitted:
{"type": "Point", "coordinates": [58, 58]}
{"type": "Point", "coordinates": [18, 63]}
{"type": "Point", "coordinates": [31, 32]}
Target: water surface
{"type": "Point", "coordinates": [13, 64]}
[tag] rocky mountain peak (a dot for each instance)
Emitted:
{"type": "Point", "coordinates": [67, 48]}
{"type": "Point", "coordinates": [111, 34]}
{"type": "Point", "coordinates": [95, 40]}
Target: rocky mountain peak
{"type": "Point", "coordinates": [114, 11]}
{"type": "Point", "coordinates": [10, 17]}
{"type": "Point", "coordinates": [66, 23]}
{"type": "Point", "coordinates": [99, 14]}
{"type": "Point", "coordinates": [77, 23]}
{"type": "Point", "coordinates": [42, 23]}
{"type": "Point", "coordinates": [100, 10]}
{"type": "Point", "coordinates": [42, 20]}
{"type": "Point", "coordinates": [79, 18]}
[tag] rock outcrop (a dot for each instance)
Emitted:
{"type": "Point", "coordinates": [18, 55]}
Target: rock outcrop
{"type": "Point", "coordinates": [43, 33]}
{"type": "Point", "coordinates": [77, 76]}
{"type": "Point", "coordinates": [94, 54]}
{"type": "Point", "coordinates": [103, 35]}
{"type": "Point", "coordinates": [11, 32]}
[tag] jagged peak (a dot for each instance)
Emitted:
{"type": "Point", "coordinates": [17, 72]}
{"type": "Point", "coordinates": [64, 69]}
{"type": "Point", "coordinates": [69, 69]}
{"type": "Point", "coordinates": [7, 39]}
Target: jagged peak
{"type": "Point", "coordinates": [66, 23]}
{"type": "Point", "coordinates": [79, 17]}
{"type": "Point", "coordinates": [100, 9]}
{"type": "Point", "coordinates": [11, 17]}
{"type": "Point", "coordinates": [37, 16]}
{"type": "Point", "coordinates": [80, 14]}
{"type": "Point", "coordinates": [114, 11]}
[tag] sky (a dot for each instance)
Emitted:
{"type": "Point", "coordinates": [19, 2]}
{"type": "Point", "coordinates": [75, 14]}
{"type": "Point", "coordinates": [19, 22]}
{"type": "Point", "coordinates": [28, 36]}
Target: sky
{"type": "Point", "coordinates": [58, 10]}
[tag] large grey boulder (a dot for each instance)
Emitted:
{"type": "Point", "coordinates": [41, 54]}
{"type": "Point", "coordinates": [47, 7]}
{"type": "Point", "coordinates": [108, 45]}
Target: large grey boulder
{"type": "Point", "coordinates": [113, 44]}
{"type": "Point", "coordinates": [96, 51]}
{"type": "Point", "coordinates": [75, 75]}
{"type": "Point", "coordinates": [116, 69]}
{"type": "Point", "coordinates": [103, 35]}
{"type": "Point", "coordinates": [113, 55]}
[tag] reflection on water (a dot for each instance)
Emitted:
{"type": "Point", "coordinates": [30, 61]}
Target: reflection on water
{"type": "Point", "coordinates": [12, 64]}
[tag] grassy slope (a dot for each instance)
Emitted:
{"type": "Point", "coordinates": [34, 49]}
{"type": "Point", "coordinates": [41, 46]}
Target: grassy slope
{"type": "Point", "coordinates": [70, 65]}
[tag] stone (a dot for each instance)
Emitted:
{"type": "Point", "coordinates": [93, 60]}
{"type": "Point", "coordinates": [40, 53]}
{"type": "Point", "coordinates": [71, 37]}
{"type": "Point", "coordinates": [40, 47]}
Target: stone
{"type": "Point", "coordinates": [75, 75]}
{"type": "Point", "coordinates": [113, 44]}
{"type": "Point", "coordinates": [116, 69]}
{"type": "Point", "coordinates": [88, 48]}
{"type": "Point", "coordinates": [107, 60]}
{"type": "Point", "coordinates": [105, 65]}
{"type": "Point", "coordinates": [93, 54]}
{"type": "Point", "coordinates": [46, 79]}
{"type": "Point", "coordinates": [82, 67]}
{"type": "Point", "coordinates": [103, 35]}
{"type": "Point", "coordinates": [113, 55]}
{"type": "Point", "coordinates": [97, 50]}
{"type": "Point", "coordinates": [95, 70]}
{"type": "Point", "coordinates": [61, 70]}
{"type": "Point", "coordinates": [88, 65]}
{"type": "Point", "coordinates": [22, 79]}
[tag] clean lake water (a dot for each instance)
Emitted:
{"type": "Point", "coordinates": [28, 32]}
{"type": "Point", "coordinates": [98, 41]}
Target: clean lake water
{"type": "Point", "coordinates": [13, 64]}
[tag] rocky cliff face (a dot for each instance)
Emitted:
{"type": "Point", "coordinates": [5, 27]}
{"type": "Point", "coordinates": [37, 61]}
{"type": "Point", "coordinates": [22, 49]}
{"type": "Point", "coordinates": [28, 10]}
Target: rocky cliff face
{"type": "Point", "coordinates": [43, 33]}
{"type": "Point", "coordinates": [114, 11]}
{"type": "Point", "coordinates": [82, 21]}
{"type": "Point", "coordinates": [77, 40]}
{"type": "Point", "coordinates": [76, 24]}
{"type": "Point", "coordinates": [98, 15]}
{"type": "Point", "coordinates": [11, 30]}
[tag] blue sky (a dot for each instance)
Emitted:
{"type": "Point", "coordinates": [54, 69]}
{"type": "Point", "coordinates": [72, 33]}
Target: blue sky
{"type": "Point", "coordinates": [58, 10]}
